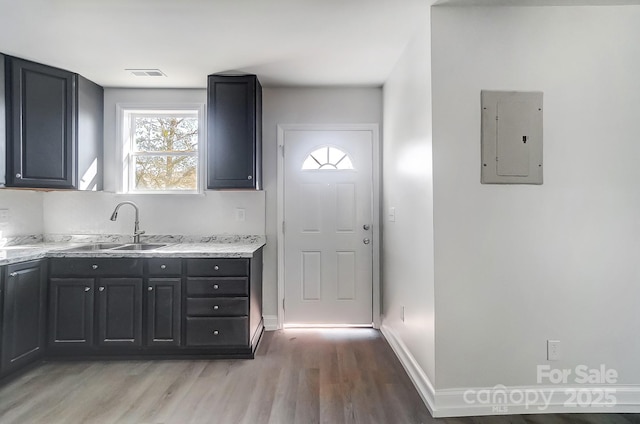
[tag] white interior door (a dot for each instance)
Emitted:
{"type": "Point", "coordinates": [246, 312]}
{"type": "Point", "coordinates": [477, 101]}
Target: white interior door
{"type": "Point", "coordinates": [328, 253]}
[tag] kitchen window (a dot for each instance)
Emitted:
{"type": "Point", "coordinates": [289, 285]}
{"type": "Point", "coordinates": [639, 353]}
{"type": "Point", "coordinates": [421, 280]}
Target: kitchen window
{"type": "Point", "coordinates": [162, 149]}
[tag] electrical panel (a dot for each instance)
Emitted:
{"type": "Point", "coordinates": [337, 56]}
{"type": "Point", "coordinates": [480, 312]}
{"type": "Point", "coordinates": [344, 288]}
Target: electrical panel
{"type": "Point", "coordinates": [511, 137]}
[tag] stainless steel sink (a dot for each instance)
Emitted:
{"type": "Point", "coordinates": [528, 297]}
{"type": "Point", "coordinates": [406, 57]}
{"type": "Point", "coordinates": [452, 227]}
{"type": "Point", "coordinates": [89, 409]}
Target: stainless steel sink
{"type": "Point", "coordinates": [95, 246]}
{"type": "Point", "coordinates": [140, 246]}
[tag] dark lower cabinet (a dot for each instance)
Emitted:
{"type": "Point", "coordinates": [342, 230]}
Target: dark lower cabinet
{"type": "Point", "coordinates": [223, 303]}
{"type": "Point", "coordinates": [23, 315]}
{"type": "Point", "coordinates": [71, 312]}
{"type": "Point", "coordinates": [163, 311]}
{"type": "Point", "coordinates": [120, 312]}
{"type": "Point", "coordinates": [155, 306]}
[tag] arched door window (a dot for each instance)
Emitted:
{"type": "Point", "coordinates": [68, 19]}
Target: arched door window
{"type": "Point", "coordinates": [327, 157]}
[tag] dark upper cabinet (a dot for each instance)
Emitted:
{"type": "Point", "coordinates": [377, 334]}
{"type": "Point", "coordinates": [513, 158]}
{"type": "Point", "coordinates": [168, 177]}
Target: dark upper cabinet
{"type": "Point", "coordinates": [54, 127]}
{"type": "Point", "coordinates": [234, 135]}
{"type": "Point", "coordinates": [71, 311]}
{"type": "Point", "coordinates": [23, 317]}
{"type": "Point", "coordinates": [3, 121]}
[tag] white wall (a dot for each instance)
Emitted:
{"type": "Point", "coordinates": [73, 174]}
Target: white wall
{"type": "Point", "coordinates": [25, 212]}
{"type": "Point", "coordinates": [211, 213]}
{"type": "Point", "coordinates": [516, 265]}
{"type": "Point", "coordinates": [303, 106]}
{"type": "Point", "coordinates": [407, 254]}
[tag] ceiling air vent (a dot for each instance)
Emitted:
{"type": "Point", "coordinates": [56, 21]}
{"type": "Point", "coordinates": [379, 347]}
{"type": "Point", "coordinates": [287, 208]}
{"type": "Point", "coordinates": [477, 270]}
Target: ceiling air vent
{"type": "Point", "coordinates": [146, 72]}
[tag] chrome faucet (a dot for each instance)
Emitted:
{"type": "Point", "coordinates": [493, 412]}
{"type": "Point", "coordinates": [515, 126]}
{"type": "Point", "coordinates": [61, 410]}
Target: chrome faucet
{"type": "Point", "coordinates": [136, 228]}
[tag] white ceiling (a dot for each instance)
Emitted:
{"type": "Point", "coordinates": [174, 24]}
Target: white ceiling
{"type": "Point", "coordinates": [284, 42]}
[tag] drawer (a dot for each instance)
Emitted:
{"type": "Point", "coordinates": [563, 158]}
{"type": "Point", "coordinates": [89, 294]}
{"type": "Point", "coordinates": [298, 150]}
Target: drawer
{"type": "Point", "coordinates": [222, 286]}
{"type": "Point", "coordinates": [231, 331]}
{"type": "Point", "coordinates": [217, 306]}
{"type": "Point", "coordinates": [96, 266]}
{"type": "Point", "coordinates": [166, 266]}
{"type": "Point", "coordinates": [218, 267]}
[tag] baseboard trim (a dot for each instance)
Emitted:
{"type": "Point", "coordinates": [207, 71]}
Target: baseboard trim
{"type": "Point", "coordinates": [270, 322]}
{"type": "Point", "coordinates": [423, 385]}
{"type": "Point", "coordinates": [501, 400]}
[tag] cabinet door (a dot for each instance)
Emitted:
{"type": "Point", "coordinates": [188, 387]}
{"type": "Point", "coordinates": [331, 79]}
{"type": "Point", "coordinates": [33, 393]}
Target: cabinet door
{"type": "Point", "coordinates": [163, 311]}
{"type": "Point", "coordinates": [23, 325]}
{"type": "Point", "coordinates": [71, 311]}
{"type": "Point", "coordinates": [120, 312]}
{"type": "Point", "coordinates": [42, 125]}
{"type": "Point", "coordinates": [235, 131]}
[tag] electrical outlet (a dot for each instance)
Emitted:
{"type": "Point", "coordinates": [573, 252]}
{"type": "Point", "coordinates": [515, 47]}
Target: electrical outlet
{"type": "Point", "coordinates": [402, 313]}
{"type": "Point", "coordinates": [240, 214]}
{"type": "Point", "coordinates": [392, 214]}
{"type": "Point", "coordinates": [553, 350]}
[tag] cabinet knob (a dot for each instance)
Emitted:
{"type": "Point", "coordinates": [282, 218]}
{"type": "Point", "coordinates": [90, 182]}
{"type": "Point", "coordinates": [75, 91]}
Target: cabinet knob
{"type": "Point", "coordinates": [94, 266]}
{"type": "Point", "coordinates": [250, 177]}
{"type": "Point", "coordinates": [216, 307]}
{"type": "Point", "coordinates": [150, 288]}
{"type": "Point", "coordinates": [18, 175]}
{"type": "Point", "coordinates": [163, 266]}
{"type": "Point", "coordinates": [366, 227]}
{"type": "Point", "coordinates": [215, 332]}
{"type": "Point", "coordinates": [215, 287]}
{"type": "Point", "coordinates": [13, 274]}
{"type": "Point", "coordinates": [87, 289]}
{"type": "Point", "coordinates": [101, 289]}
{"type": "Point", "coordinates": [216, 267]}
{"type": "Point", "coordinates": [366, 241]}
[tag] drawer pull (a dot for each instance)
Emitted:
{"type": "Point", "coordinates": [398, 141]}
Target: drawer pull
{"type": "Point", "coordinates": [215, 287]}
{"type": "Point", "coordinates": [163, 266]}
{"type": "Point", "coordinates": [101, 289]}
{"type": "Point", "coordinates": [216, 267]}
{"type": "Point", "coordinates": [216, 307]}
{"type": "Point", "coordinates": [215, 332]}
{"type": "Point", "coordinates": [87, 289]}
{"type": "Point", "coordinates": [94, 266]}
{"type": "Point", "coordinates": [13, 274]}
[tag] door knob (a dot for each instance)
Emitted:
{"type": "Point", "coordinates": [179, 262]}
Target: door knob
{"type": "Point", "coordinates": [366, 227]}
{"type": "Point", "coordinates": [366, 241]}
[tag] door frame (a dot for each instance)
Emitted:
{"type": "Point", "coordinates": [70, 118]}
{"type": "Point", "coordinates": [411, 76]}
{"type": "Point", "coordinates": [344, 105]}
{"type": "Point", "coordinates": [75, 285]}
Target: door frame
{"type": "Point", "coordinates": [375, 213]}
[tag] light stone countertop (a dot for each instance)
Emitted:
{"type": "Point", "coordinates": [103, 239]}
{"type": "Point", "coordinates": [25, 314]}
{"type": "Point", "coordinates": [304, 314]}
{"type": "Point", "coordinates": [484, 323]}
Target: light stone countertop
{"type": "Point", "coordinates": [240, 248]}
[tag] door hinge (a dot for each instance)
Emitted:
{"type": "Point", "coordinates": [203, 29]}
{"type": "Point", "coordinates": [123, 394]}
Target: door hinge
{"type": "Point", "coordinates": [282, 226]}
{"type": "Point", "coordinates": [282, 150]}
{"type": "Point", "coordinates": [283, 303]}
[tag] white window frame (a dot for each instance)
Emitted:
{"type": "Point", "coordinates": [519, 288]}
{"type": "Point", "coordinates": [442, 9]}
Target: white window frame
{"type": "Point", "coordinates": [124, 137]}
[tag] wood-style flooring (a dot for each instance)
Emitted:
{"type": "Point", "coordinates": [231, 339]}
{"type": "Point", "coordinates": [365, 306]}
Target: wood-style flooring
{"type": "Point", "coordinates": [298, 376]}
